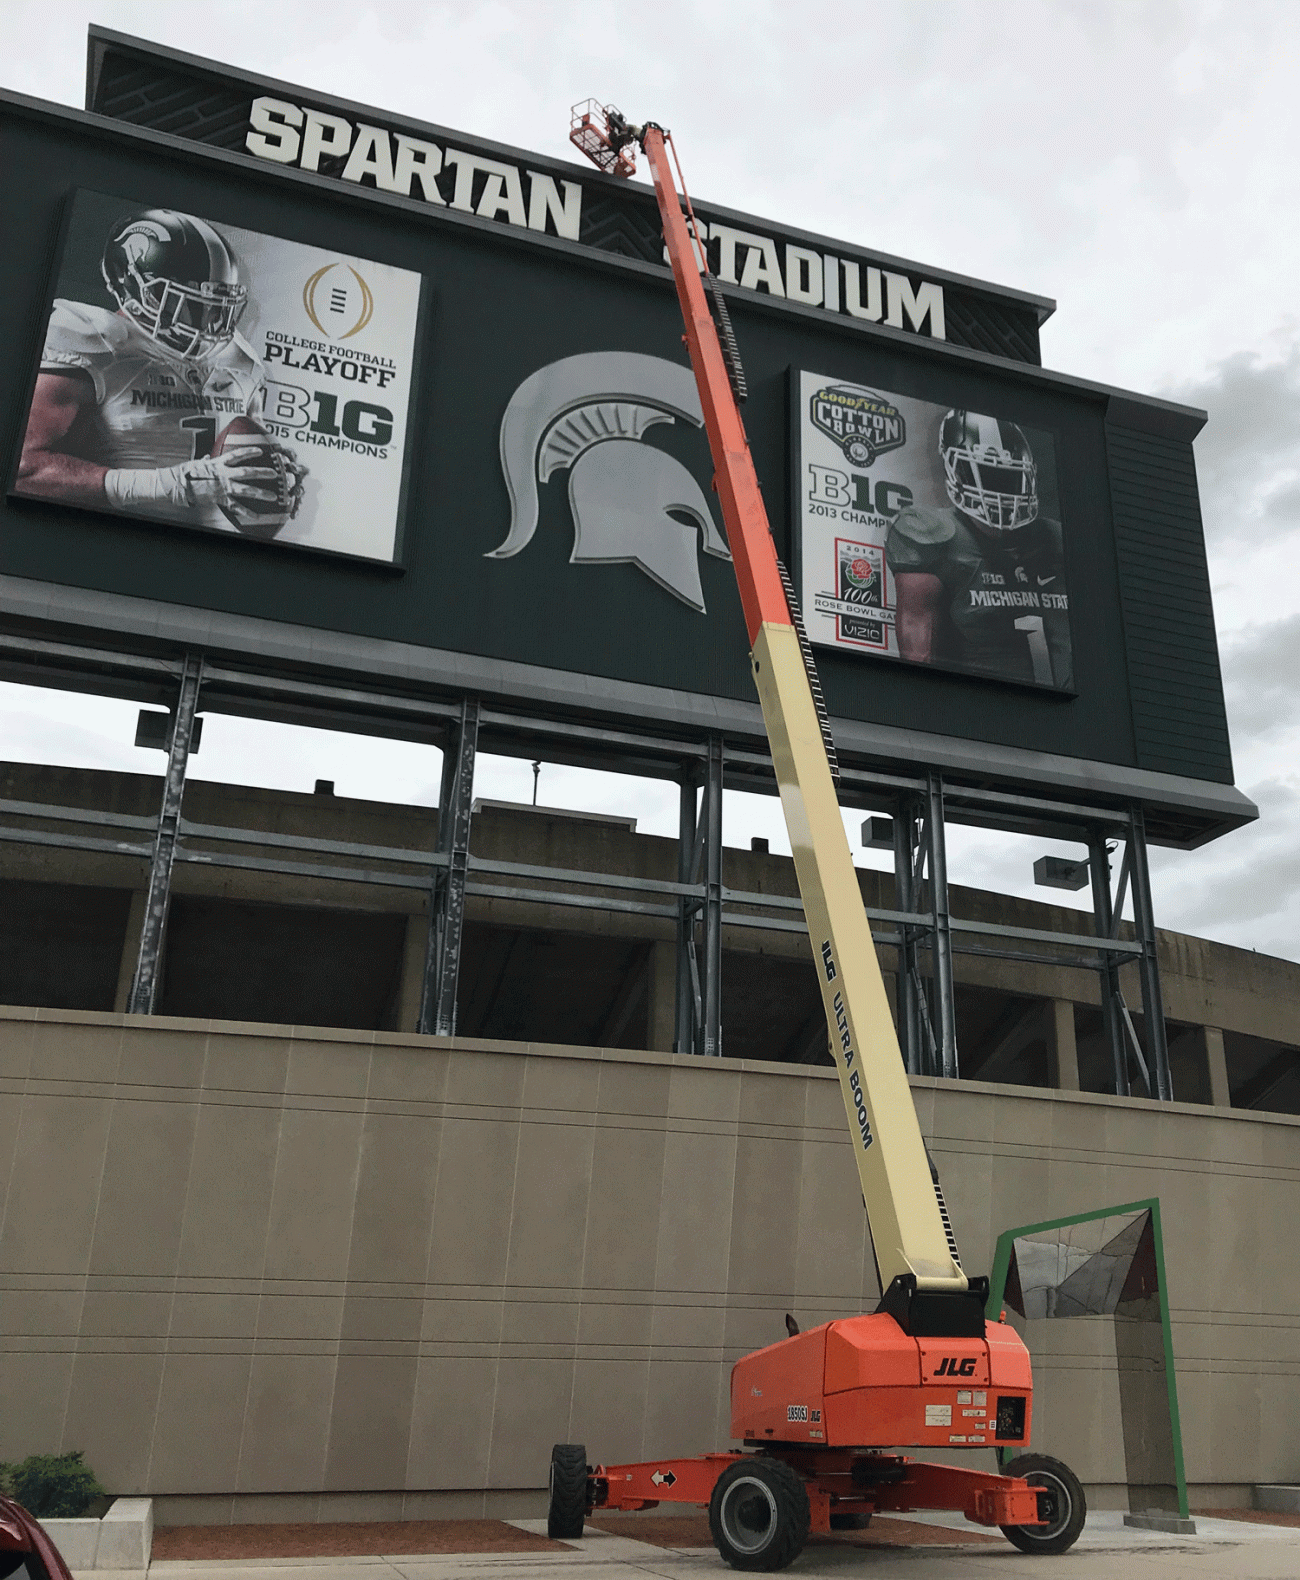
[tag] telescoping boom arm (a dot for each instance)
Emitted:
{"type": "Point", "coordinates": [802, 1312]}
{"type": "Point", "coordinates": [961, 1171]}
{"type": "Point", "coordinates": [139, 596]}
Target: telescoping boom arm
{"type": "Point", "coordinates": [909, 1230]}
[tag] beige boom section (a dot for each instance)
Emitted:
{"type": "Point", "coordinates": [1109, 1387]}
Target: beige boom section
{"type": "Point", "coordinates": [907, 1228]}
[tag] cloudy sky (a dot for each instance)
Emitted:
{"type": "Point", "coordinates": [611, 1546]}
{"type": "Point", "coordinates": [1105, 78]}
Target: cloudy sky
{"type": "Point", "coordinates": [1134, 159]}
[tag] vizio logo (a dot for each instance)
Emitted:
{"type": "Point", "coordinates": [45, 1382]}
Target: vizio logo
{"type": "Point", "coordinates": [955, 1366]}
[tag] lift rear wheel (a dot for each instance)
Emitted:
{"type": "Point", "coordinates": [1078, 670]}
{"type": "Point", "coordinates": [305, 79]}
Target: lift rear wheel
{"type": "Point", "coordinates": [1067, 1505]}
{"type": "Point", "coordinates": [568, 1502]}
{"type": "Point", "coordinates": [759, 1514]}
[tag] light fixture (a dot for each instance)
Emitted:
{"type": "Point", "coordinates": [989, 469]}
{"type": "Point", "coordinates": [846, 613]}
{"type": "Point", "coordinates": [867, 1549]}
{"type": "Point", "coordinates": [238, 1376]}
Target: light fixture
{"type": "Point", "coordinates": [1055, 872]}
{"type": "Point", "coordinates": [878, 833]}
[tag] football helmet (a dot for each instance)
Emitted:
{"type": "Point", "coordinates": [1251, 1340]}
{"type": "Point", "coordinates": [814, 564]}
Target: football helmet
{"type": "Point", "coordinates": [989, 470]}
{"type": "Point", "coordinates": [176, 278]}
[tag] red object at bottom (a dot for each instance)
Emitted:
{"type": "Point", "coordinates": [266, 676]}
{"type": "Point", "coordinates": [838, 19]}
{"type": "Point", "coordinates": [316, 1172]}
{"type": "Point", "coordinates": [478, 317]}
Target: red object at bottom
{"type": "Point", "coordinates": [838, 1481]}
{"type": "Point", "coordinates": [21, 1534]}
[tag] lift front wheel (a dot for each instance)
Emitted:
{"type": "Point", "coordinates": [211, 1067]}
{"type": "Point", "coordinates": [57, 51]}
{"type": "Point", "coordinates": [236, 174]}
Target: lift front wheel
{"type": "Point", "coordinates": [568, 1503]}
{"type": "Point", "coordinates": [759, 1514]}
{"type": "Point", "coordinates": [1066, 1510]}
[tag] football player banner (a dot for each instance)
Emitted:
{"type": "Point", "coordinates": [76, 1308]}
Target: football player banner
{"type": "Point", "coordinates": [930, 534]}
{"type": "Point", "coordinates": [216, 378]}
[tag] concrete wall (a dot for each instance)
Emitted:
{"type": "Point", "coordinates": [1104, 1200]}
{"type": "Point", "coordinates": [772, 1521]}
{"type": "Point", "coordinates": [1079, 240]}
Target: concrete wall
{"type": "Point", "coordinates": [275, 1272]}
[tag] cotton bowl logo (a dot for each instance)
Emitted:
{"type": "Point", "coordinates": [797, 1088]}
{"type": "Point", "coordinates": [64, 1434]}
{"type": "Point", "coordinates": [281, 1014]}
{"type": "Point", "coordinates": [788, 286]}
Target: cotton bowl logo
{"type": "Point", "coordinates": [864, 425]}
{"type": "Point", "coordinates": [338, 301]}
{"type": "Point", "coordinates": [587, 415]}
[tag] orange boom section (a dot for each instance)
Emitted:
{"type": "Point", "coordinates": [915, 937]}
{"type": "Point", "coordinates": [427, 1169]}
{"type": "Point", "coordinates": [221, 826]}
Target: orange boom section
{"type": "Point", "coordinates": [863, 1381]}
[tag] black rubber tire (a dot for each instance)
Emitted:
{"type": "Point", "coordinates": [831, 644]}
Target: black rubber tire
{"type": "Point", "coordinates": [1071, 1507]}
{"type": "Point", "coordinates": [759, 1514]}
{"type": "Point", "coordinates": [851, 1522]}
{"type": "Point", "coordinates": [567, 1509]}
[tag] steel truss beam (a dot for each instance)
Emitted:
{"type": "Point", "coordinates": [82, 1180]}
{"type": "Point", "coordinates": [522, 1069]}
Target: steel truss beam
{"type": "Point", "coordinates": [698, 903]}
{"type": "Point", "coordinates": [447, 896]}
{"type": "Point", "coordinates": [157, 902]}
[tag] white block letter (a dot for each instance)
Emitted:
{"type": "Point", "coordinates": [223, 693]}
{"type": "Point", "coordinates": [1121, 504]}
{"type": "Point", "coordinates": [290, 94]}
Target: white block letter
{"type": "Point", "coordinates": [803, 275]}
{"type": "Point", "coordinates": [853, 293]}
{"type": "Point", "coordinates": [762, 266]}
{"type": "Point", "coordinates": [544, 200]}
{"type": "Point", "coordinates": [324, 134]}
{"type": "Point", "coordinates": [273, 136]}
{"type": "Point", "coordinates": [371, 156]}
{"type": "Point", "coordinates": [698, 231]}
{"type": "Point", "coordinates": [417, 161]}
{"type": "Point", "coordinates": [831, 283]}
{"type": "Point", "coordinates": [926, 301]}
{"type": "Point", "coordinates": [503, 189]}
{"type": "Point", "coordinates": [726, 239]}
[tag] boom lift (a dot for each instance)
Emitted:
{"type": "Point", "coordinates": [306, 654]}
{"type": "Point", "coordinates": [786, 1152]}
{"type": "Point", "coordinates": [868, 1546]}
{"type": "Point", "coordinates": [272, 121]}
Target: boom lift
{"type": "Point", "coordinates": [821, 1413]}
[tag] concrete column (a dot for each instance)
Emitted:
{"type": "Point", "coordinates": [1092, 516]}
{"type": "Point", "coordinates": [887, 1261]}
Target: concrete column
{"type": "Point", "coordinates": [130, 951]}
{"type": "Point", "coordinates": [410, 988]}
{"type": "Point", "coordinates": [662, 1006]}
{"type": "Point", "coordinates": [1216, 1066]}
{"type": "Point", "coordinates": [1062, 1050]}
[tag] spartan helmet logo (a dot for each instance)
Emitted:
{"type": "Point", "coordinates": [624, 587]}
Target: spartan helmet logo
{"type": "Point", "coordinates": [588, 414]}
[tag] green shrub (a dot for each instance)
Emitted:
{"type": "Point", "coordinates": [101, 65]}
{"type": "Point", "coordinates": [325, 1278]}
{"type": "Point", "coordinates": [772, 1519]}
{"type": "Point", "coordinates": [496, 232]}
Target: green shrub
{"type": "Point", "coordinates": [52, 1486]}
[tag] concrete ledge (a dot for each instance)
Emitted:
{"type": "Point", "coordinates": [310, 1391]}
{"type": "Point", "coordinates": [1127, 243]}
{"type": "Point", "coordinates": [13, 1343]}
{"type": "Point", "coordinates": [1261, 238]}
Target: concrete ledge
{"type": "Point", "coordinates": [1276, 1499]}
{"type": "Point", "coordinates": [122, 1541]}
{"type": "Point", "coordinates": [77, 1541]}
{"type": "Point", "coordinates": [1155, 1520]}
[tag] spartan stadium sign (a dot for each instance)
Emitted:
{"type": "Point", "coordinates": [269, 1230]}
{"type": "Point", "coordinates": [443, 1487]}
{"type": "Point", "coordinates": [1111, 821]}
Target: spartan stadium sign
{"type": "Point", "coordinates": [450, 175]}
{"type": "Point", "coordinates": [447, 176]}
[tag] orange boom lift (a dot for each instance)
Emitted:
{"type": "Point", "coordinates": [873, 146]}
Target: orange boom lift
{"type": "Point", "coordinates": [822, 1413]}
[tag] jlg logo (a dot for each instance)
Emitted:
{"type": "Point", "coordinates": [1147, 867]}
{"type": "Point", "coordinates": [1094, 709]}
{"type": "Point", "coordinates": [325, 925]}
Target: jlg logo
{"type": "Point", "coordinates": [954, 1366]}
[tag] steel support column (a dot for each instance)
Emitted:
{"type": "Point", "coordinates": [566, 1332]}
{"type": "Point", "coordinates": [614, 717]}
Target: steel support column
{"type": "Point", "coordinates": [908, 982]}
{"type": "Point", "coordinates": [447, 895]}
{"type": "Point", "coordinates": [1153, 1004]}
{"type": "Point", "coordinates": [687, 1015]}
{"type": "Point", "coordinates": [1108, 968]}
{"type": "Point", "coordinates": [942, 942]}
{"type": "Point", "coordinates": [711, 818]}
{"type": "Point", "coordinates": [157, 901]}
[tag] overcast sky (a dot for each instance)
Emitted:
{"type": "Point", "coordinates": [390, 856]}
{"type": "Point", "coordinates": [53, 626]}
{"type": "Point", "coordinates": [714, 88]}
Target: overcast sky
{"type": "Point", "coordinates": [1135, 161]}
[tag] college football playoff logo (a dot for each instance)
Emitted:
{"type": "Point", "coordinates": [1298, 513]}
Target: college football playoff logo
{"type": "Point", "coordinates": [863, 424]}
{"type": "Point", "coordinates": [338, 301]}
{"type": "Point", "coordinates": [587, 415]}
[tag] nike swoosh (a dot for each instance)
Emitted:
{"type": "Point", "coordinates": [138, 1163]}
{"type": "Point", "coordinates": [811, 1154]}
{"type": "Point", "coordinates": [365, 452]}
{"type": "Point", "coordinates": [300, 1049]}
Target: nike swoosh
{"type": "Point", "coordinates": [1044, 580]}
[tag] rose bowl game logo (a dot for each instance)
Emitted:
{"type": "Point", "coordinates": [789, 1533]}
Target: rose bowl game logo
{"type": "Point", "coordinates": [864, 425]}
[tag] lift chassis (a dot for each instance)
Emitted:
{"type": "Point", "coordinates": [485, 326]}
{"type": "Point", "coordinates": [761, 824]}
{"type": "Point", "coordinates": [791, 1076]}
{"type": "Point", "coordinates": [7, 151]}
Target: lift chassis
{"type": "Point", "coordinates": [822, 1413]}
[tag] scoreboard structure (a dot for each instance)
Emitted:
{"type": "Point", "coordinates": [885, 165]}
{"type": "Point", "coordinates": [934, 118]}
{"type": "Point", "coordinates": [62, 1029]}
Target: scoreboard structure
{"type": "Point", "coordinates": [323, 414]}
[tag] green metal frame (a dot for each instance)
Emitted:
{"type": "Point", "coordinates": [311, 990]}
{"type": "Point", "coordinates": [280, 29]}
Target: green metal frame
{"type": "Point", "coordinates": [998, 1287]}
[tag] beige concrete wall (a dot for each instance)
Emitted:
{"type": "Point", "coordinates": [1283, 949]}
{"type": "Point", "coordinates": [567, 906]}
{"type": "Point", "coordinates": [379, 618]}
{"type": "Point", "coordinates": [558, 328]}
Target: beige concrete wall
{"type": "Point", "coordinates": [298, 1274]}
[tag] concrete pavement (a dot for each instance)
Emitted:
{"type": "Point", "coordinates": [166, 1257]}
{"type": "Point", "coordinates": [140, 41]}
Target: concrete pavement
{"type": "Point", "coordinates": [1107, 1550]}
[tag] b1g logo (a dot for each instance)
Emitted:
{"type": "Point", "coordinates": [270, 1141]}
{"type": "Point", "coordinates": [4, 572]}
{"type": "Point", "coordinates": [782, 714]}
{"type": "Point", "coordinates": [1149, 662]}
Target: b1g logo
{"type": "Point", "coordinates": [863, 424]}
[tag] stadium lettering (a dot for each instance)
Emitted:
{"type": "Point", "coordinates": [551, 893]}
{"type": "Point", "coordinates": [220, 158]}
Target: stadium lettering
{"type": "Point", "coordinates": [288, 134]}
{"type": "Point", "coordinates": [497, 189]}
{"type": "Point", "coordinates": [745, 258]}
